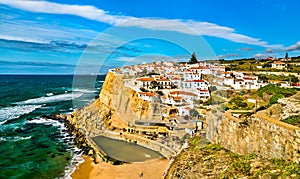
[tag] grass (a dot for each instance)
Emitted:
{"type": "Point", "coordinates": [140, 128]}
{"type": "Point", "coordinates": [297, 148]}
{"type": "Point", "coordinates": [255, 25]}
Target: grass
{"type": "Point", "coordinates": [293, 120]}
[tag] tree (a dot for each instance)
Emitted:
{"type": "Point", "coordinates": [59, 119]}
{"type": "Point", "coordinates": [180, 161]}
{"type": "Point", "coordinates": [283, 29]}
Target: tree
{"type": "Point", "coordinates": [194, 113]}
{"type": "Point", "coordinates": [286, 55]}
{"type": "Point", "coordinates": [153, 85]}
{"type": "Point", "coordinates": [213, 88]}
{"type": "Point", "coordinates": [193, 59]}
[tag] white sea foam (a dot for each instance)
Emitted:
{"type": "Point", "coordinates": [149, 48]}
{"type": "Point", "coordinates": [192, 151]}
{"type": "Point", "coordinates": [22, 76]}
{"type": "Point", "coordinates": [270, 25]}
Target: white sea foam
{"type": "Point", "coordinates": [14, 112]}
{"type": "Point", "coordinates": [83, 90]}
{"type": "Point", "coordinates": [14, 138]}
{"type": "Point", "coordinates": [47, 121]}
{"type": "Point", "coordinates": [49, 94]}
{"type": "Point", "coordinates": [75, 161]}
{"type": "Point", "coordinates": [75, 152]}
{"type": "Point", "coordinates": [55, 98]}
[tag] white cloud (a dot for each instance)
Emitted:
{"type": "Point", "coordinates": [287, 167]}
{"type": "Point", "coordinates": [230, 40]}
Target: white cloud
{"type": "Point", "coordinates": [228, 55]}
{"type": "Point", "coordinates": [89, 12]}
{"type": "Point", "coordinates": [260, 56]}
{"type": "Point", "coordinates": [94, 13]}
{"type": "Point", "coordinates": [22, 39]}
{"type": "Point", "coordinates": [294, 47]}
{"type": "Point", "coordinates": [25, 30]}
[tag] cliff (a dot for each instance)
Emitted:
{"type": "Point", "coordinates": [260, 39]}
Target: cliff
{"type": "Point", "coordinates": [116, 106]}
{"type": "Point", "coordinates": [205, 160]}
{"type": "Point", "coordinates": [259, 134]}
{"type": "Point", "coordinates": [111, 115]}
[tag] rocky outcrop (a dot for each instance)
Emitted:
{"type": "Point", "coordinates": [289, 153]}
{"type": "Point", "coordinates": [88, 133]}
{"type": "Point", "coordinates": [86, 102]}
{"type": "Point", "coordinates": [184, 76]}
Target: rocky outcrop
{"type": "Point", "coordinates": [115, 104]}
{"type": "Point", "coordinates": [80, 139]}
{"type": "Point", "coordinates": [291, 106]}
{"type": "Point", "coordinates": [116, 108]}
{"type": "Point", "coordinates": [285, 108]}
{"type": "Point", "coordinates": [257, 134]}
{"type": "Point", "coordinates": [201, 160]}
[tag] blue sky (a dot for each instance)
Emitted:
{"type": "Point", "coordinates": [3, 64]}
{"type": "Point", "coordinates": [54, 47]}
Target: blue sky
{"type": "Point", "coordinates": [57, 36]}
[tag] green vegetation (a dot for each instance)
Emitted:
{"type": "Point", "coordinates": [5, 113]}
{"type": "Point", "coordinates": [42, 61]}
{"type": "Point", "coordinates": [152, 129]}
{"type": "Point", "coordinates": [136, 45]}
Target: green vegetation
{"type": "Point", "coordinates": [153, 85]}
{"type": "Point", "coordinates": [208, 160]}
{"type": "Point", "coordinates": [144, 89]}
{"type": "Point", "coordinates": [274, 92]}
{"type": "Point", "coordinates": [241, 164]}
{"type": "Point", "coordinates": [293, 120]}
{"type": "Point", "coordinates": [194, 113]}
{"type": "Point", "coordinates": [266, 78]}
{"type": "Point", "coordinates": [193, 59]}
{"type": "Point", "coordinates": [214, 99]}
{"type": "Point", "coordinates": [239, 103]}
{"type": "Point", "coordinates": [252, 64]}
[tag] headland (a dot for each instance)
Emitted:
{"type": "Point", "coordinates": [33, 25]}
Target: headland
{"type": "Point", "coordinates": [161, 105]}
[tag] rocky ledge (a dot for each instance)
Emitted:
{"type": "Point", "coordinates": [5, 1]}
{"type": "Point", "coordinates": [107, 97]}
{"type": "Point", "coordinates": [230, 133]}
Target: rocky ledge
{"type": "Point", "coordinates": [205, 160]}
{"type": "Point", "coordinates": [285, 108]}
{"type": "Point", "coordinates": [82, 141]}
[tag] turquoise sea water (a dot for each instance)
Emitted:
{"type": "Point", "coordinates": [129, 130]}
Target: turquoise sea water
{"type": "Point", "coordinates": [32, 146]}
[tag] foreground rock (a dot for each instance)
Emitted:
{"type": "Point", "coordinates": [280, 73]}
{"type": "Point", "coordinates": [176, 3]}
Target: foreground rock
{"type": "Point", "coordinates": [202, 160]}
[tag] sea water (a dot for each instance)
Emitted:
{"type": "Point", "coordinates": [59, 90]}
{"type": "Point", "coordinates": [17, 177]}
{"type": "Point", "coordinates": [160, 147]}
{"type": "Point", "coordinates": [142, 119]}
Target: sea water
{"type": "Point", "coordinates": [32, 146]}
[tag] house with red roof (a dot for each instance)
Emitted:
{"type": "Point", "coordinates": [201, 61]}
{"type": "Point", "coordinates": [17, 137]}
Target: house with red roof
{"type": "Point", "coordinates": [144, 81]}
{"type": "Point", "coordinates": [163, 83]}
{"type": "Point", "coordinates": [186, 95]}
{"type": "Point", "coordinates": [147, 96]}
{"type": "Point", "coordinates": [203, 94]}
{"type": "Point", "coordinates": [172, 100]}
{"type": "Point", "coordinates": [279, 65]}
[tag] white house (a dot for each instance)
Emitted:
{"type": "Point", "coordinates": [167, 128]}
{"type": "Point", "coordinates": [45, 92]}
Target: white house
{"type": "Point", "coordinates": [195, 84]}
{"type": "Point", "coordinates": [279, 65]}
{"type": "Point", "coordinates": [163, 83]}
{"type": "Point", "coordinates": [144, 81]}
{"type": "Point", "coordinates": [184, 110]}
{"type": "Point", "coordinates": [176, 81]}
{"type": "Point", "coordinates": [147, 96]}
{"type": "Point", "coordinates": [251, 82]}
{"type": "Point", "coordinates": [238, 84]}
{"type": "Point", "coordinates": [187, 96]}
{"type": "Point", "coordinates": [128, 70]}
{"type": "Point", "coordinates": [284, 84]}
{"type": "Point", "coordinates": [192, 75]}
{"type": "Point", "coordinates": [172, 100]}
{"type": "Point", "coordinates": [203, 94]}
{"type": "Point", "coordinates": [229, 81]}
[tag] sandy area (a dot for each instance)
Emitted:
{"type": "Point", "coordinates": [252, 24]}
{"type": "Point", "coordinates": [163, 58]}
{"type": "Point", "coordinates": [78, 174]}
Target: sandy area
{"type": "Point", "coordinates": [153, 169]}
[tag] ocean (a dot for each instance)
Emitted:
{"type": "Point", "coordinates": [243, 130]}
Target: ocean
{"type": "Point", "coordinates": [33, 146]}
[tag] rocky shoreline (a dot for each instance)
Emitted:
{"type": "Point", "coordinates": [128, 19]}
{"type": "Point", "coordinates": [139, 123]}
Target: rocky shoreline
{"type": "Point", "coordinates": [83, 142]}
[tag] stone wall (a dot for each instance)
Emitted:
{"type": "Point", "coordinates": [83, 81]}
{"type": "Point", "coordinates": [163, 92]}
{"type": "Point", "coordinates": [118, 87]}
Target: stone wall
{"type": "Point", "coordinates": [257, 134]}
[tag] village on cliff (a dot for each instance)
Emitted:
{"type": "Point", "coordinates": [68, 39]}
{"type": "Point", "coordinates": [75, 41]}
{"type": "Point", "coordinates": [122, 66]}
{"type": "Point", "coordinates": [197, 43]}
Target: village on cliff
{"type": "Point", "coordinates": [186, 85]}
{"type": "Point", "coordinates": [159, 105]}
{"type": "Point", "coordinates": [181, 96]}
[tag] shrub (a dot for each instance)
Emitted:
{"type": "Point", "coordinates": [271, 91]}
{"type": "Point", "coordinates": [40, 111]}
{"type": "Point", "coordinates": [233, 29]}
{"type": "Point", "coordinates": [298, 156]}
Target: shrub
{"type": "Point", "coordinates": [276, 92]}
{"type": "Point", "coordinates": [143, 89]}
{"type": "Point", "coordinates": [293, 120]}
{"type": "Point", "coordinates": [275, 98]}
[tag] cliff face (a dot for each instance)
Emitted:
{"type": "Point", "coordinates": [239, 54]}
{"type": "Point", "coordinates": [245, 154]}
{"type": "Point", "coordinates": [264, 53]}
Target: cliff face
{"type": "Point", "coordinates": [116, 106]}
{"type": "Point", "coordinates": [257, 134]}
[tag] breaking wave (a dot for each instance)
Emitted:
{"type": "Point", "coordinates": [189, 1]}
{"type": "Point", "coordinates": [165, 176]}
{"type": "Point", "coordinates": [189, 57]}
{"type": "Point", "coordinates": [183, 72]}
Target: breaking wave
{"type": "Point", "coordinates": [50, 99]}
{"type": "Point", "coordinates": [14, 112]}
